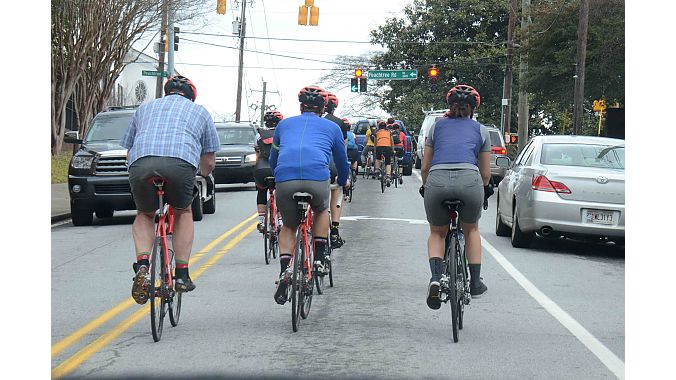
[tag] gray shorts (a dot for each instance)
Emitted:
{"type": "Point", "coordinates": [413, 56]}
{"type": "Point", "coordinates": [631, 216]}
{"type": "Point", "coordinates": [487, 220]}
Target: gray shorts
{"type": "Point", "coordinates": [463, 184]}
{"type": "Point", "coordinates": [288, 206]}
{"type": "Point", "coordinates": [180, 177]}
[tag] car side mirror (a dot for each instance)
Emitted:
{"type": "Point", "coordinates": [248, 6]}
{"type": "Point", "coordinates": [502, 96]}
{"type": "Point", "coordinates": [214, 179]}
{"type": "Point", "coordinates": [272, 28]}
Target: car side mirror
{"type": "Point", "coordinates": [503, 162]}
{"type": "Point", "coordinates": [72, 137]}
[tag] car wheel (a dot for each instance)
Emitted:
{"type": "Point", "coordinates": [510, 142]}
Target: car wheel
{"type": "Point", "coordinates": [104, 213]}
{"type": "Point", "coordinates": [210, 205]}
{"type": "Point", "coordinates": [501, 229]}
{"type": "Point", "coordinates": [418, 162]}
{"type": "Point", "coordinates": [407, 170]}
{"type": "Point", "coordinates": [520, 239]}
{"type": "Point", "coordinates": [197, 208]}
{"type": "Point", "coordinates": [81, 216]}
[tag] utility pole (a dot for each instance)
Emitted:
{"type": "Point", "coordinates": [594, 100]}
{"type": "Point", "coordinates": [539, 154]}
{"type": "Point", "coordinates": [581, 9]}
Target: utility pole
{"type": "Point", "coordinates": [163, 28]}
{"type": "Point", "coordinates": [242, 33]}
{"type": "Point", "coordinates": [170, 39]}
{"type": "Point", "coordinates": [507, 85]}
{"type": "Point", "coordinates": [578, 102]}
{"type": "Point", "coordinates": [263, 103]}
{"type": "Point", "coordinates": [523, 78]}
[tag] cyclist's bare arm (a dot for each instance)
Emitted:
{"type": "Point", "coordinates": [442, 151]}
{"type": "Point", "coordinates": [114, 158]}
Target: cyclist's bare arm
{"type": "Point", "coordinates": [207, 163]}
{"type": "Point", "coordinates": [427, 163]}
{"type": "Point", "coordinates": [484, 166]}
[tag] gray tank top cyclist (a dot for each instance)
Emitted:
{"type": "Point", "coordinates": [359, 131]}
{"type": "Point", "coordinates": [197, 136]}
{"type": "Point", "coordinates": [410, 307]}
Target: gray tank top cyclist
{"type": "Point", "coordinates": [457, 143]}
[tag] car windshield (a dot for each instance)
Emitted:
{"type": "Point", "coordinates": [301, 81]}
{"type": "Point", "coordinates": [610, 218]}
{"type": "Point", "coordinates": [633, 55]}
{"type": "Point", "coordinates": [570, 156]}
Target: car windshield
{"type": "Point", "coordinates": [361, 127]}
{"type": "Point", "coordinates": [495, 138]}
{"type": "Point", "coordinates": [587, 155]}
{"type": "Point", "coordinates": [108, 128]}
{"type": "Point", "coordinates": [236, 136]}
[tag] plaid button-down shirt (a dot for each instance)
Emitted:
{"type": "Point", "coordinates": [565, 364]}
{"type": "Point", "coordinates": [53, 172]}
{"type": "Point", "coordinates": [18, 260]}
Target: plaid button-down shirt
{"type": "Point", "coordinates": [171, 126]}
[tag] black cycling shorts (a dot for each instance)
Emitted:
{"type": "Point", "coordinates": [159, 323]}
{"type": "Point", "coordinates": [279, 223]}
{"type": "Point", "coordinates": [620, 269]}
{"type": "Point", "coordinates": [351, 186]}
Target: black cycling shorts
{"type": "Point", "coordinates": [384, 151]}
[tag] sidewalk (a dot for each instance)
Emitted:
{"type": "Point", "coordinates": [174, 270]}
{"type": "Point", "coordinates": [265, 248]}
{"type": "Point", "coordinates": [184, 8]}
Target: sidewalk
{"type": "Point", "coordinates": [60, 202]}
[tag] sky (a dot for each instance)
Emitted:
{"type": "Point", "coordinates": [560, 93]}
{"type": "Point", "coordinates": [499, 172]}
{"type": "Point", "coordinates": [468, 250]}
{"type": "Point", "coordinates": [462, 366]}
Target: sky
{"type": "Point", "coordinates": [213, 69]}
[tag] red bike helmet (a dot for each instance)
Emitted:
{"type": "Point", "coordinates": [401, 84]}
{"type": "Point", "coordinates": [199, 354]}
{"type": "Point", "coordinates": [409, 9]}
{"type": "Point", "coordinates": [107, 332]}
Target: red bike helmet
{"type": "Point", "coordinates": [178, 83]}
{"type": "Point", "coordinates": [347, 122]}
{"type": "Point", "coordinates": [463, 94]}
{"type": "Point", "coordinates": [333, 100]}
{"type": "Point", "coordinates": [272, 117]}
{"type": "Point", "coordinates": [313, 98]}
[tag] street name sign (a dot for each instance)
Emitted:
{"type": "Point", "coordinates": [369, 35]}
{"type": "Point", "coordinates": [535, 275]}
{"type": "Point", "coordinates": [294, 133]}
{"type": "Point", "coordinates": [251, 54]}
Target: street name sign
{"type": "Point", "coordinates": [147, 73]}
{"type": "Point", "coordinates": [393, 74]}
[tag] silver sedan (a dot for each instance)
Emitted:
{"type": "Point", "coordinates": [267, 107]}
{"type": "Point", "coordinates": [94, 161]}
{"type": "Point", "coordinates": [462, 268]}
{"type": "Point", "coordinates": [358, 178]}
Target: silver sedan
{"type": "Point", "coordinates": [563, 186]}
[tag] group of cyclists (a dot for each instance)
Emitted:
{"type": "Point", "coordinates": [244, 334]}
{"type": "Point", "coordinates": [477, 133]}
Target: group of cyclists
{"type": "Point", "coordinates": [174, 138]}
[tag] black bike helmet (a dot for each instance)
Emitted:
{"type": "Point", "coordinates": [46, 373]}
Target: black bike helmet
{"type": "Point", "coordinates": [463, 94]}
{"type": "Point", "coordinates": [182, 85]}
{"type": "Point", "coordinates": [272, 117]}
{"type": "Point", "coordinates": [313, 98]}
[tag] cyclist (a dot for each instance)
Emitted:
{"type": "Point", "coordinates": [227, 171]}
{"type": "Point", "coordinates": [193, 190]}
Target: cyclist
{"type": "Point", "coordinates": [369, 144]}
{"type": "Point", "coordinates": [352, 149]}
{"type": "Point", "coordinates": [336, 240]}
{"type": "Point", "coordinates": [170, 137]}
{"type": "Point", "coordinates": [456, 165]}
{"type": "Point", "coordinates": [302, 149]}
{"type": "Point", "coordinates": [384, 147]}
{"type": "Point", "coordinates": [399, 141]}
{"type": "Point", "coordinates": [262, 168]}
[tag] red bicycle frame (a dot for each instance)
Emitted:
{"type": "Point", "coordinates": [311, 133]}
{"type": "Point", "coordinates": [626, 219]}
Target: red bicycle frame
{"type": "Point", "coordinates": [305, 226]}
{"type": "Point", "coordinates": [165, 226]}
{"type": "Point", "coordinates": [273, 209]}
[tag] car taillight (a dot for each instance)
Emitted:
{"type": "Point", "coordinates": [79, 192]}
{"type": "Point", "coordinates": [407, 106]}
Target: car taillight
{"type": "Point", "coordinates": [499, 150]}
{"type": "Point", "coordinates": [542, 183]}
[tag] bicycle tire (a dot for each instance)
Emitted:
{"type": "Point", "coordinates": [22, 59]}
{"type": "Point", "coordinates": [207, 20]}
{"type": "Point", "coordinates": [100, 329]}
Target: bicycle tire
{"type": "Point", "coordinates": [308, 284]}
{"type": "Point", "coordinates": [451, 267]}
{"type": "Point", "coordinates": [157, 303]}
{"type": "Point", "coordinates": [266, 233]}
{"type": "Point", "coordinates": [462, 271]}
{"type": "Point", "coordinates": [296, 299]}
{"type": "Point", "coordinates": [175, 300]}
{"type": "Point", "coordinates": [382, 178]}
{"type": "Point", "coordinates": [395, 177]}
{"type": "Point", "coordinates": [330, 269]}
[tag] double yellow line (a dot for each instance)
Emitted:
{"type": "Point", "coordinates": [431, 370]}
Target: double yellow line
{"type": "Point", "coordinates": [85, 353]}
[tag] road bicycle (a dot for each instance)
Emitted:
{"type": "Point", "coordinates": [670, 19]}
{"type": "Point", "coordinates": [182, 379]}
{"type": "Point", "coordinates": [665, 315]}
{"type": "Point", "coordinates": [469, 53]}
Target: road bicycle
{"type": "Point", "coordinates": [162, 265]}
{"type": "Point", "coordinates": [369, 169]}
{"type": "Point", "coordinates": [272, 226]}
{"type": "Point", "coordinates": [382, 173]}
{"type": "Point", "coordinates": [302, 277]}
{"type": "Point", "coordinates": [455, 277]}
{"type": "Point", "coordinates": [396, 171]}
{"type": "Point", "coordinates": [353, 178]}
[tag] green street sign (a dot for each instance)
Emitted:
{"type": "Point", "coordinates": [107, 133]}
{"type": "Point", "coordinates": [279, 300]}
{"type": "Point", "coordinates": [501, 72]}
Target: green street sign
{"type": "Point", "coordinates": [393, 74]}
{"type": "Point", "coordinates": [147, 73]}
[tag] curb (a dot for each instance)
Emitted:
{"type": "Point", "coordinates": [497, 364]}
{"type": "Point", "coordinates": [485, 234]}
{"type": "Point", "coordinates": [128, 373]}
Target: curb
{"type": "Point", "coordinates": [60, 217]}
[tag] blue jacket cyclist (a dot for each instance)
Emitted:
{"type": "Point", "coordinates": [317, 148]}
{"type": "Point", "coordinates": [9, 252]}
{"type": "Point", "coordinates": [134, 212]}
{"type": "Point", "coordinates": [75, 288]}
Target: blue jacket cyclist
{"type": "Point", "coordinates": [302, 148]}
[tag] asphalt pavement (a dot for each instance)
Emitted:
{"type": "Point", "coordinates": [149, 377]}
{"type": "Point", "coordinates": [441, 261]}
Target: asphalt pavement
{"type": "Point", "coordinates": [554, 311]}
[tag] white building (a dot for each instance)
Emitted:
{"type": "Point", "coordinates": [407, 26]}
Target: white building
{"type": "Point", "coordinates": [132, 87]}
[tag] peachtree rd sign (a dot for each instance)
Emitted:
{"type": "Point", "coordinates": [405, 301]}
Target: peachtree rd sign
{"type": "Point", "coordinates": [147, 73]}
{"type": "Point", "coordinates": [393, 74]}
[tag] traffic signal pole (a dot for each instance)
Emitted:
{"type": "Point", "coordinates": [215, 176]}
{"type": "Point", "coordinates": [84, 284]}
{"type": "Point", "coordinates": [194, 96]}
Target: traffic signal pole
{"type": "Point", "coordinates": [160, 67]}
{"type": "Point", "coordinates": [265, 86]}
{"type": "Point", "coordinates": [242, 33]}
{"type": "Point", "coordinates": [170, 39]}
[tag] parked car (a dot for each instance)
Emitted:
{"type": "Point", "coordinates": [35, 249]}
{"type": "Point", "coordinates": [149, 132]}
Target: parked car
{"type": "Point", "coordinates": [563, 186]}
{"type": "Point", "coordinates": [498, 149]}
{"type": "Point", "coordinates": [98, 181]}
{"type": "Point", "coordinates": [360, 128]}
{"type": "Point", "coordinates": [236, 159]}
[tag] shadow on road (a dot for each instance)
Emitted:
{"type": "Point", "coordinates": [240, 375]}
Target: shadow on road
{"type": "Point", "coordinates": [235, 187]}
{"type": "Point", "coordinates": [603, 251]}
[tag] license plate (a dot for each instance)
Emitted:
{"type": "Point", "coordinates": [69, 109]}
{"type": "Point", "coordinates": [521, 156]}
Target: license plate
{"type": "Point", "coordinates": [599, 216]}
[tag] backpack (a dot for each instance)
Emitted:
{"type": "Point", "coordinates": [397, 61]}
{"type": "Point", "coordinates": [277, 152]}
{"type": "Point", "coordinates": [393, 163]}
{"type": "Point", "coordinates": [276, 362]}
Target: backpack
{"type": "Point", "coordinates": [351, 144]}
{"type": "Point", "coordinates": [373, 135]}
{"type": "Point", "coordinates": [396, 137]}
{"type": "Point", "coordinates": [265, 142]}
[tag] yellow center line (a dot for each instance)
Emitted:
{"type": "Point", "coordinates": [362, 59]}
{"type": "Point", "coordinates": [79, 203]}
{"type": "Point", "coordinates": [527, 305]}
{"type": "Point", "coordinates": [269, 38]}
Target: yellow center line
{"type": "Point", "coordinates": [85, 353]}
{"type": "Point", "coordinates": [124, 305]}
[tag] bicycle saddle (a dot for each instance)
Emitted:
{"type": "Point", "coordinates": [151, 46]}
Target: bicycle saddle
{"type": "Point", "coordinates": [453, 203]}
{"type": "Point", "coordinates": [157, 181]}
{"type": "Point", "coordinates": [270, 181]}
{"type": "Point", "coordinates": [302, 196]}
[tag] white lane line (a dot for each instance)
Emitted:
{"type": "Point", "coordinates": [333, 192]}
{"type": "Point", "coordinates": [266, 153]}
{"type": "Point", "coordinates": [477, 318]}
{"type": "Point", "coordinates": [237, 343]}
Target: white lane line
{"type": "Point", "coordinates": [607, 357]}
{"type": "Point", "coordinates": [363, 217]}
{"type": "Point", "coordinates": [417, 174]}
{"type": "Point", "coordinates": [61, 223]}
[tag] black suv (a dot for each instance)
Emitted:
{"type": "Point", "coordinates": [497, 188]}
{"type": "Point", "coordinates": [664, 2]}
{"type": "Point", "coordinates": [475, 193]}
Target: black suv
{"type": "Point", "coordinates": [98, 181]}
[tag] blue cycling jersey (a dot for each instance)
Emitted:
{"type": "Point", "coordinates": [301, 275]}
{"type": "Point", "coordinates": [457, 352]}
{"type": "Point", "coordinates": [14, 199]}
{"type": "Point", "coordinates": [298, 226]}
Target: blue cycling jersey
{"type": "Point", "coordinates": [302, 149]}
{"type": "Point", "coordinates": [351, 143]}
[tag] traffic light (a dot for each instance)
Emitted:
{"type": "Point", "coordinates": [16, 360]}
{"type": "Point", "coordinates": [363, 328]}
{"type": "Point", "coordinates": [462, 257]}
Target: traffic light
{"type": "Point", "coordinates": [302, 15]}
{"type": "Point", "coordinates": [358, 73]}
{"type": "Point", "coordinates": [513, 138]}
{"type": "Point", "coordinates": [176, 31]}
{"type": "Point", "coordinates": [354, 84]}
{"type": "Point", "coordinates": [362, 84]}
{"type": "Point", "coordinates": [220, 6]}
{"type": "Point", "coordinates": [433, 73]}
{"type": "Point", "coordinates": [314, 16]}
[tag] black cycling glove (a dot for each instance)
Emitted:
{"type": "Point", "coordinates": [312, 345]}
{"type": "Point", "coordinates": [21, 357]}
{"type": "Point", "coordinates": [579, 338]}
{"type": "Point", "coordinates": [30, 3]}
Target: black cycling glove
{"type": "Point", "coordinates": [422, 191]}
{"type": "Point", "coordinates": [488, 191]}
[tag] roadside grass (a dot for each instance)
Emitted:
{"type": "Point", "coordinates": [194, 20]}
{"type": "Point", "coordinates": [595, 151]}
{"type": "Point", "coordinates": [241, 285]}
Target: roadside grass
{"type": "Point", "coordinates": [60, 167]}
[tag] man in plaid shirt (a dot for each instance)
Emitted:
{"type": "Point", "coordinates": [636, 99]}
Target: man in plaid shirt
{"type": "Point", "coordinates": [169, 137]}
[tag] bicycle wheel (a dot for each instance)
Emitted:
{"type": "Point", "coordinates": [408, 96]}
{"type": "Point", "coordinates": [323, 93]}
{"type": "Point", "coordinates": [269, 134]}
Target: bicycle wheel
{"type": "Point", "coordinates": [158, 306]}
{"type": "Point", "coordinates": [296, 288]}
{"type": "Point", "coordinates": [463, 288]}
{"type": "Point", "coordinates": [175, 300]}
{"type": "Point", "coordinates": [382, 179]}
{"type": "Point", "coordinates": [266, 233]}
{"type": "Point", "coordinates": [329, 268]}
{"type": "Point", "coordinates": [451, 267]}
{"type": "Point", "coordinates": [395, 170]}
